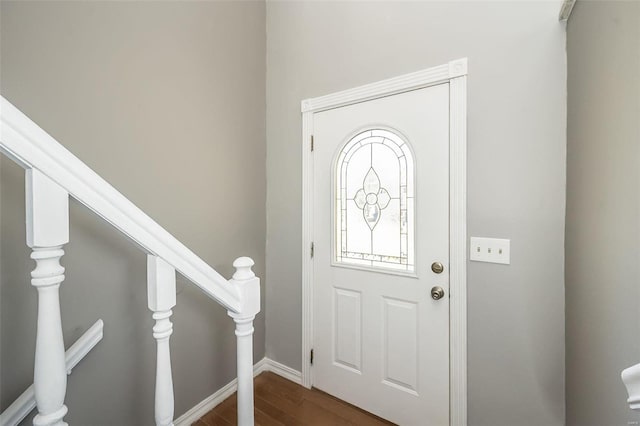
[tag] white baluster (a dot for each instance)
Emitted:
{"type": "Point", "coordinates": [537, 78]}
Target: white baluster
{"type": "Point", "coordinates": [248, 286]}
{"type": "Point", "coordinates": [47, 231]}
{"type": "Point", "coordinates": [161, 293]}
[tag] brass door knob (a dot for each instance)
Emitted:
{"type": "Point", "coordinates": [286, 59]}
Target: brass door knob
{"type": "Point", "coordinates": [437, 293]}
{"type": "Point", "coordinates": [437, 267]}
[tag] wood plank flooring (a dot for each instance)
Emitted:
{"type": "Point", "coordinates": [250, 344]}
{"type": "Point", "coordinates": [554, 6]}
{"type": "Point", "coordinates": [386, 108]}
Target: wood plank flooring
{"type": "Point", "coordinates": [281, 402]}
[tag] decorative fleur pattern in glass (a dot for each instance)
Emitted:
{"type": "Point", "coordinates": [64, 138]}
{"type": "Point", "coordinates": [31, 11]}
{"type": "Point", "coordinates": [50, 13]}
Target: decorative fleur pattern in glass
{"type": "Point", "coordinates": [374, 199]}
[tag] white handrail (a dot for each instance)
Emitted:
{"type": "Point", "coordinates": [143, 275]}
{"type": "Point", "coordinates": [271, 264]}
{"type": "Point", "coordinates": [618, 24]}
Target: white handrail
{"type": "Point", "coordinates": [33, 148]}
{"type": "Point", "coordinates": [26, 402]}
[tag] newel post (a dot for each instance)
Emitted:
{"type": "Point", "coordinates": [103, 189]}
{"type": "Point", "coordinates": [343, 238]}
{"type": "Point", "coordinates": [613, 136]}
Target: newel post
{"type": "Point", "coordinates": [248, 287]}
{"type": "Point", "coordinates": [47, 232]}
{"type": "Point", "coordinates": [161, 295]}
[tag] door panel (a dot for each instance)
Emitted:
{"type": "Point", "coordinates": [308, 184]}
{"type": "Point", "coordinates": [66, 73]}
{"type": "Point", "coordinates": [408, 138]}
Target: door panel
{"type": "Point", "coordinates": [381, 212]}
{"type": "Point", "coordinates": [348, 329]}
{"type": "Point", "coordinates": [401, 331]}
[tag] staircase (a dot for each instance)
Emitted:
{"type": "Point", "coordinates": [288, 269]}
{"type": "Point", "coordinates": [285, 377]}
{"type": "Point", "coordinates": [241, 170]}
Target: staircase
{"type": "Point", "coordinates": [53, 175]}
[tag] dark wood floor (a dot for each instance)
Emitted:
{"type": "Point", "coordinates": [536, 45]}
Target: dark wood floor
{"type": "Point", "coordinates": [281, 402]}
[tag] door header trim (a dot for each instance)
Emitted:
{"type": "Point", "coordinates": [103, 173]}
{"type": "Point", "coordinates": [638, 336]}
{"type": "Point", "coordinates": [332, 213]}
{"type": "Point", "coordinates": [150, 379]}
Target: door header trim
{"type": "Point", "coordinates": [391, 86]}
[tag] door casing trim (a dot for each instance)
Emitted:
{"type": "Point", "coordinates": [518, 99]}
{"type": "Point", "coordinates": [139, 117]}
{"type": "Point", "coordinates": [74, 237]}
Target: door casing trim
{"type": "Point", "coordinates": [454, 73]}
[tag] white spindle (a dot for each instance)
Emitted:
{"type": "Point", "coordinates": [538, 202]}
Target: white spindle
{"type": "Point", "coordinates": [248, 287]}
{"type": "Point", "coordinates": [47, 231]}
{"type": "Point", "coordinates": [161, 292]}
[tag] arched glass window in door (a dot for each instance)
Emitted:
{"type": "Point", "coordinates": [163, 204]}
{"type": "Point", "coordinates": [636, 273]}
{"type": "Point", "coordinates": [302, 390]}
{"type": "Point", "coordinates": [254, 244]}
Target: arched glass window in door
{"type": "Point", "coordinates": [374, 202]}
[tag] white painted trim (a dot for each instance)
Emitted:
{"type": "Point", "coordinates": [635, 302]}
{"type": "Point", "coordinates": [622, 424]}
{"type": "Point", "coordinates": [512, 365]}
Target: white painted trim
{"type": "Point", "coordinates": [391, 86]}
{"type": "Point", "coordinates": [566, 9]}
{"type": "Point", "coordinates": [458, 250]}
{"type": "Point", "coordinates": [26, 402]}
{"type": "Point", "coordinates": [84, 344]}
{"type": "Point", "coordinates": [33, 148]}
{"type": "Point", "coordinates": [307, 238]}
{"type": "Point", "coordinates": [207, 404]}
{"type": "Point", "coordinates": [455, 73]}
{"type": "Point", "coordinates": [283, 371]}
{"type": "Point", "coordinates": [210, 402]}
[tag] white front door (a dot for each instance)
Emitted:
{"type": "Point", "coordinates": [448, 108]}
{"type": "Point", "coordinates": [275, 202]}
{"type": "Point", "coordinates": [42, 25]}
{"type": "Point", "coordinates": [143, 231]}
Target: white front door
{"type": "Point", "coordinates": [380, 231]}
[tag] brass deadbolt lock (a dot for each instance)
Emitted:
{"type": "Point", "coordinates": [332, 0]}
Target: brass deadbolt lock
{"type": "Point", "coordinates": [437, 267]}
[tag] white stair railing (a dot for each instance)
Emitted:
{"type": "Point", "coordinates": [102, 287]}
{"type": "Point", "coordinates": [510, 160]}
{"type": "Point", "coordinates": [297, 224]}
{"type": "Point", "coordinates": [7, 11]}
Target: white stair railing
{"type": "Point", "coordinates": [248, 286]}
{"type": "Point", "coordinates": [26, 402]}
{"type": "Point", "coordinates": [161, 294]}
{"type": "Point", "coordinates": [52, 175]}
{"type": "Point", "coordinates": [47, 233]}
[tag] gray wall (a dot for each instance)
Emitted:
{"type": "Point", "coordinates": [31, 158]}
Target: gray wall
{"type": "Point", "coordinates": [166, 100]}
{"type": "Point", "coordinates": [603, 210]}
{"type": "Point", "coordinates": [517, 134]}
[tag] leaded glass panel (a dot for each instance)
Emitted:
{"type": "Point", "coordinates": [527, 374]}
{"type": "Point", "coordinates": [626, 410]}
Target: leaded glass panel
{"type": "Point", "coordinates": [374, 199]}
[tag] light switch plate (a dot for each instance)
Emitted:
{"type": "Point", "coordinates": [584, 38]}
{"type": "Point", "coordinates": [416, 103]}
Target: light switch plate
{"type": "Point", "coordinates": [492, 250]}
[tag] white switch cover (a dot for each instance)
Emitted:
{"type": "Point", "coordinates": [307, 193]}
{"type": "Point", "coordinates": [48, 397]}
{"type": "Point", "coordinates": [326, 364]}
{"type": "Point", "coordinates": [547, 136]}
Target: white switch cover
{"type": "Point", "coordinates": [492, 250]}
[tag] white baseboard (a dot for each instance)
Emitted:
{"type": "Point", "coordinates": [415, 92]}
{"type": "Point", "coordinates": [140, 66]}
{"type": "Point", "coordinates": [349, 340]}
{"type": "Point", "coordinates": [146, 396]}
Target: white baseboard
{"type": "Point", "coordinates": [207, 404]}
{"type": "Point", "coordinates": [283, 371]}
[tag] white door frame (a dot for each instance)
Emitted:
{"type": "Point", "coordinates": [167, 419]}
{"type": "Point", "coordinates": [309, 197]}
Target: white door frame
{"type": "Point", "coordinates": [454, 73]}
